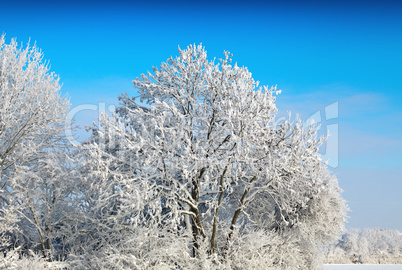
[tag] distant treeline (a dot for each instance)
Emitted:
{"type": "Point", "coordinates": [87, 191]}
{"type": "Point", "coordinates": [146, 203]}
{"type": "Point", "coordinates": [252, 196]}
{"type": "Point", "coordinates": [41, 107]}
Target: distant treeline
{"type": "Point", "coordinates": [366, 246]}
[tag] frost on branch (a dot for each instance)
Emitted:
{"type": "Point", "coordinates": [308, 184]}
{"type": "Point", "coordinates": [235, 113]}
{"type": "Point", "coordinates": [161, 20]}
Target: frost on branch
{"type": "Point", "coordinates": [32, 160]}
{"type": "Point", "coordinates": [216, 169]}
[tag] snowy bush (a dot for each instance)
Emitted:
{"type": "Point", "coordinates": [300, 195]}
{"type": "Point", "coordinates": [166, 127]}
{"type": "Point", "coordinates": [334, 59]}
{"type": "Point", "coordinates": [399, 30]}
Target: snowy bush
{"type": "Point", "coordinates": [14, 261]}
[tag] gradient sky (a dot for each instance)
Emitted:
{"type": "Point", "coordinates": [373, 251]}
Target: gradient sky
{"type": "Point", "coordinates": [318, 53]}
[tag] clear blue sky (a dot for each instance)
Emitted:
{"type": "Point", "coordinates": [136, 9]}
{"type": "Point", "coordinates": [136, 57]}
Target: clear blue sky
{"type": "Point", "coordinates": [317, 53]}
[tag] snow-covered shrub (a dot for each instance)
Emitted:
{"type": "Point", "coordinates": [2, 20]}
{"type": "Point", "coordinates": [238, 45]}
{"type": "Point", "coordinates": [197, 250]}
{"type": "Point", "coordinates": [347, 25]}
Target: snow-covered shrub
{"type": "Point", "coordinates": [13, 260]}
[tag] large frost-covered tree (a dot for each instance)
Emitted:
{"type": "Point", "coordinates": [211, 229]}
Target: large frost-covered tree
{"type": "Point", "coordinates": [32, 174]}
{"type": "Point", "coordinates": [206, 143]}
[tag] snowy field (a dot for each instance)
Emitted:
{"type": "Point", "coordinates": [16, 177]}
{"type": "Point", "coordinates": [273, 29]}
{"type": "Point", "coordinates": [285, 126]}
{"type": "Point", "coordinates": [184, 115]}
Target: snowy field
{"type": "Point", "coordinates": [362, 267]}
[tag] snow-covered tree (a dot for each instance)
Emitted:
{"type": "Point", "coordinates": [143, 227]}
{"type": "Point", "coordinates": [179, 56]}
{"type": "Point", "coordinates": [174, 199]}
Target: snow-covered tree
{"type": "Point", "coordinates": [32, 114]}
{"type": "Point", "coordinates": [207, 145]}
{"type": "Point", "coordinates": [31, 108]}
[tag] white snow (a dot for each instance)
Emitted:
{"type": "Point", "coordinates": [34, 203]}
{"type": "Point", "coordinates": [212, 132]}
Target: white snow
{"type": "Point", "coordinates": [362, 267]}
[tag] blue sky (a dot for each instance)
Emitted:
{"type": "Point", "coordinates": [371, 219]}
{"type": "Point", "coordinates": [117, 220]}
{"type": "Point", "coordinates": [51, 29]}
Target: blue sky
{"type": "Point", "coordinates": [317, 52]}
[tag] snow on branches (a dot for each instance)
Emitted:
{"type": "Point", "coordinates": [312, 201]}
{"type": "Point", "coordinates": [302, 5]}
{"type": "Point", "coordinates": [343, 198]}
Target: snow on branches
{"type": "Point", "coordinates": [32, 115]}
{"type": "Point", "coordinates": [208, 144]}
